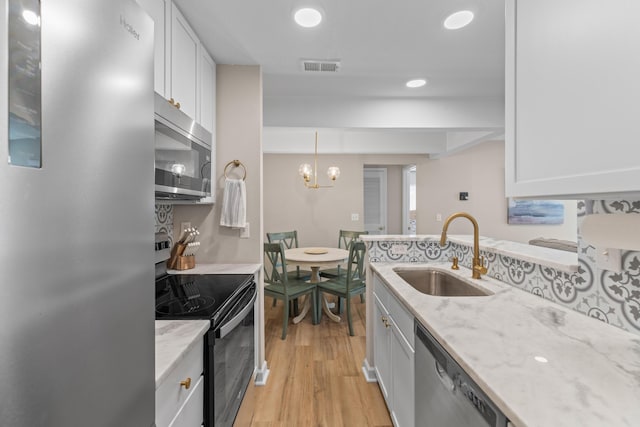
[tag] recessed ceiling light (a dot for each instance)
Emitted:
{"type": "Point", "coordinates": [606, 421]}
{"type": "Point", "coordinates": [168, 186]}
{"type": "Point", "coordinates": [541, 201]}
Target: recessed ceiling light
{"type": "Point", "coordinates": [458, 20]}
{"type": "Point", "coordinates": [307, 17]}
{"type": "Point", "coordinates": [416, 83]}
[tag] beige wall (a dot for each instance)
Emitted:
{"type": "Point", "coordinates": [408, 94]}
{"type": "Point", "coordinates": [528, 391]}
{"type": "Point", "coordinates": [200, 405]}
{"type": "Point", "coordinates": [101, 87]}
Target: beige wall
{"type": "Point", "coordinates": [238, 136]}
{"type": "Point", "coordinates": [318, 215]}
{"type": "Point", "coordinates": [480, 171]}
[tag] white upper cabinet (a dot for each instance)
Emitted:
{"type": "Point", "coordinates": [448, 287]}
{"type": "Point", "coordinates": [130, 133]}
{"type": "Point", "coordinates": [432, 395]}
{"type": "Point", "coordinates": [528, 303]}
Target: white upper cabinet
{"type": "Point", "coordinates": [207, 92]}
{"type": "Point", "coordinates": [572, 91]}
{"type": "Point", "coordinates": [184, 64]}
{"type": "Point", "coordinates": [159, 10]}
{"type": "Point", "coordinates": [184, 70]}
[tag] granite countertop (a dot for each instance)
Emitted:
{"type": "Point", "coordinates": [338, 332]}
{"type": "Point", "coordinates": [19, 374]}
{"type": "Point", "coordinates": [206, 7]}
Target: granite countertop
{"type": "Point", "coordinates": [174, 338]}
{"type": "Point", "coordinates": [592, 373]}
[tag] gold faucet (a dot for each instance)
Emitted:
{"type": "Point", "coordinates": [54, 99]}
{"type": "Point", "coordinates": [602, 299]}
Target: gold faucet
{"type": "Point", "coordinates": [478, 261]}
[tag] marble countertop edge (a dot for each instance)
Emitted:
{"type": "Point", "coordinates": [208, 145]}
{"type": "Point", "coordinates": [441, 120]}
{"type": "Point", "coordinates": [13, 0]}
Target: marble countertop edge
{"type": "Point", "coordinates": [174, 339]}
{"type": "Point", "coordinates": [205, 268]}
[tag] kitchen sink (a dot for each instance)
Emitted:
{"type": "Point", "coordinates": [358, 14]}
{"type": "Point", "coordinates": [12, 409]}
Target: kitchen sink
{"type": "Point", "coordinates": [439, 283]}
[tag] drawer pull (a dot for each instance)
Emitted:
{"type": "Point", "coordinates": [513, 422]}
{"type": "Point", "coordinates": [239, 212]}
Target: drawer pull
{"type": "Point", "coordinates": [186, 383]}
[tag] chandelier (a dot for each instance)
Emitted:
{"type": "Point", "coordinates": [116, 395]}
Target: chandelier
{"type": "Point", "coordinates": [306, 171]}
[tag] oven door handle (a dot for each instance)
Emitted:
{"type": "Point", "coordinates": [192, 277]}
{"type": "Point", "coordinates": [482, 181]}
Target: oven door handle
{"type": "Point", "coordinates": [231, 324]}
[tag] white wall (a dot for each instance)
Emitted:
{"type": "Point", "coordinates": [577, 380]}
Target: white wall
{"type": "Point", "coordinates": [377, 113]}
{"type": "Point", "coordinates": [479, 171]}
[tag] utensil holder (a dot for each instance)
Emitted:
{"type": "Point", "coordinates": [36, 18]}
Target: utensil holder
{"type": "Point", "coordinates": [185, 262]}
{"type": "Point", "coordinates": [179, 262]}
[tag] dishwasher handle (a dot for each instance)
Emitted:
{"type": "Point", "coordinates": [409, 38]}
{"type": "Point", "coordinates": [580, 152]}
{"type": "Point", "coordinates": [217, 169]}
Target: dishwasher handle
{"type": "Point", "coordinates": [447, 381]}
{"type": "Point", "coordinates": [437, 354]}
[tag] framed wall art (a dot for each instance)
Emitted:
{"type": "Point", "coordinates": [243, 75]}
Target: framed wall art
{"type": "Point", "coordinates": [535, 211]}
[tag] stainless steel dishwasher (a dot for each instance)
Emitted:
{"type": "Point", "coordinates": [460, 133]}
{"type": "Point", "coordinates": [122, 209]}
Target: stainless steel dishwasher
{"type": "Point", "coordinates": [445, 395]}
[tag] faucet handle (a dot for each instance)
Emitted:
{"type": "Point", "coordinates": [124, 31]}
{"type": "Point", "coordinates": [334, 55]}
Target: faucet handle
{"type": "Point", "coordinates": [455, 263]}
{"type": "Point", "coordinates": [481, 266]}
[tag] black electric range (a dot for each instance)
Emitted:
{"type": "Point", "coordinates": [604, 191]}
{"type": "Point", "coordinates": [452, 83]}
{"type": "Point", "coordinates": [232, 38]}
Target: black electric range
{"type": "Point", "coordinates": [200, 296]}
{"type": "Point", "coordinates": [227, 301]}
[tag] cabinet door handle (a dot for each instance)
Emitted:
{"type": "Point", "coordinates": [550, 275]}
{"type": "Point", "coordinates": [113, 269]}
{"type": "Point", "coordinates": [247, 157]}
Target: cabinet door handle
{"type": "Point", "coordinates": [186, 383]}
{"type": "Point", "coordinates": [172, 102]}
{"type": "Point", "coordinates": [178, 105]}
{"type": "Point", "coordinates": [385, 320]}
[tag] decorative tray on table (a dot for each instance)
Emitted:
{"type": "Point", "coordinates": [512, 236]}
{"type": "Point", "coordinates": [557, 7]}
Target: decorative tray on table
{"type": "Point", "coordinates": [315, 251]}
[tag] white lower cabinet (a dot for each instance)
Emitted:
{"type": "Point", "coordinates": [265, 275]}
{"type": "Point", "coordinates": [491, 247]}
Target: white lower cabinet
{"type": "Point", "coordinates": [190, 414]}
{"type": "Point", "coordinates": [180, 397]}
{"type": "Point", "coordinates": [381, 337]}
{"type": "Point", "coordinates": [394, 353]}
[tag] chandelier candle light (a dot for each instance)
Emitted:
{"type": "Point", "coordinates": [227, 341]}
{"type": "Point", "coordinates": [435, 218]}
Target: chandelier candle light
{"type": "Point", "coordinates": [305, 171]}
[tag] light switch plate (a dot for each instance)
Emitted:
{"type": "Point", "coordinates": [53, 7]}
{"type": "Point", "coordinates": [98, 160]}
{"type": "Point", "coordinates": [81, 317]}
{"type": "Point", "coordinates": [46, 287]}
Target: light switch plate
{"type": "Point", "coordinates": [609, 259]}
{"type": "Point", "coordinates": [244, 232]}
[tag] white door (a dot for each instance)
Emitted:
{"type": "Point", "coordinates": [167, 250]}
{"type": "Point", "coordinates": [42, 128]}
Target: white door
{"type": "Point", "coordinates": [375, 200]}
{"type": "Point", "coordinates": [409, 200]}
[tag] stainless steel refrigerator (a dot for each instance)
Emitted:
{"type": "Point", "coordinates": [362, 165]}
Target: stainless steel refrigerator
{"type": "Point", "coordinates": [77, 214]}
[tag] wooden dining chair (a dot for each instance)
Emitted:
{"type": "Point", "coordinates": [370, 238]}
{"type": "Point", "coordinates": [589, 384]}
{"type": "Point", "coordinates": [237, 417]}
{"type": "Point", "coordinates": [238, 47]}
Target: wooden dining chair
{"type": "Point", "coordinates": [279, 285]}
{"type": "Point", "coordinates": [350, 284]}
{"type": "Point", "coordinates": [345, 237]}
{"type": "Point", "coordinates": [290, 240]}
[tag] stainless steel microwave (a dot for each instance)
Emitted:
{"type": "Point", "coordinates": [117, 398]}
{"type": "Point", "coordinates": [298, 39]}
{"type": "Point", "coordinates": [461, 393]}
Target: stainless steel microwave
{"type": "Point", "coordinates": [182, 154]}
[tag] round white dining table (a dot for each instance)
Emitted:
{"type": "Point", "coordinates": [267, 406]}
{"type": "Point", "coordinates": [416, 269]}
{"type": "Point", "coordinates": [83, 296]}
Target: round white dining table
{"type": "Point", "coordinates": [315, 258]}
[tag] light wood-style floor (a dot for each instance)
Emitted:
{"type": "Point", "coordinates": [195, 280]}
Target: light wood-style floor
{"type": "Point", "coordinates": [315, 376]}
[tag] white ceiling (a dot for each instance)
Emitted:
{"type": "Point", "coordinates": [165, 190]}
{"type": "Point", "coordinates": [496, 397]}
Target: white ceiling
{"type": "Point", "coordinates": [381, 44]}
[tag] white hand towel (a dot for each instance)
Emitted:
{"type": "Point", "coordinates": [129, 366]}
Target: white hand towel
{"type": "Point", "coordinates": [234, 204]}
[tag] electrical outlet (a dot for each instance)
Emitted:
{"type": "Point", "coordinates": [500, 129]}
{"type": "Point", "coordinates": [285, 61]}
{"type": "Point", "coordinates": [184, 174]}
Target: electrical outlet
{"type": "Point", "coordinates": [184, 226]}
{"type": "Point", "coordinates": [355, 217]}
{"type": "Point", "coordinates": [609, 259]}
{"type": "Point", "coordinates": [244, 232]}
{"type": "Point", "coordinates": [438, 217]}
{"type": "Point", "coordinates": [398, 249]}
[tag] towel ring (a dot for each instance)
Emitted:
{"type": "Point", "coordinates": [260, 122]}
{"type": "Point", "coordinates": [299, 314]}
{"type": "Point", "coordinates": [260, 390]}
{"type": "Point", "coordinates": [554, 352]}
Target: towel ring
{"type": "Point", "coordinates": [236, 164]}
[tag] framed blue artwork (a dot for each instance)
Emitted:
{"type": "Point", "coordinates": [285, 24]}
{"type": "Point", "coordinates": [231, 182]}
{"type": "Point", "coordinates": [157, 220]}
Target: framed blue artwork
{"type": "Point", "coordinates": [535, 211]}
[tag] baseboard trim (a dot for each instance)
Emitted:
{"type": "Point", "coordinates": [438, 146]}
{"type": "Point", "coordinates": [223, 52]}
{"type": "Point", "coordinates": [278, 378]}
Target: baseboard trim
{"type": "Point", "coordinates": [262, 375]}
{"type": "Point", "coordinates": [369, 372]}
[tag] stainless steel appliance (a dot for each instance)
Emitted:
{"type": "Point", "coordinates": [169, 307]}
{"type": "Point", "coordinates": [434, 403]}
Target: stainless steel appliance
{"type": "Point", "coordinates": [445, 395]}
{"type": "Point", "coordinates": [76, 299]}
{"type": "Point", "coordinates": [183, 154]}
{"type": "Point", "coordinates": [227, 300]}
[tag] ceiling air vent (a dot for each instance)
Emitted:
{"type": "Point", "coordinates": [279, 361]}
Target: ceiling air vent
{"type": "Point", "coordinates": [322, 66]}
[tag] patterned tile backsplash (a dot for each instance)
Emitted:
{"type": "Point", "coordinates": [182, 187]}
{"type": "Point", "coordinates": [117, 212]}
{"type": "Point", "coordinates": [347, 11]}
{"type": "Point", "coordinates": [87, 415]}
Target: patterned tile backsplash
{"type": "Point", "coordinates": [613, 298]}
{"type": "Point", "coordinates": [164, 220]}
